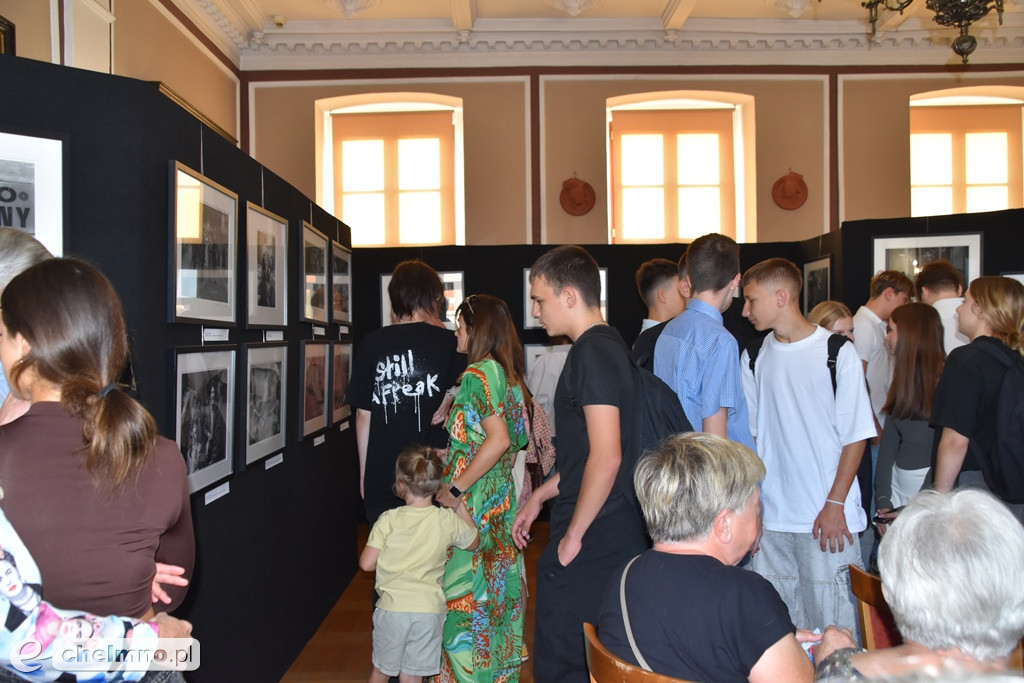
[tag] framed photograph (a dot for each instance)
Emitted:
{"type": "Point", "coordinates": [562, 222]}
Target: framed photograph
{"type": "Point", "coordinates": [530, 323]}
{"type": "Point", "coordinates": [532, 352]}
{"type": "Point", "coordinates": [454, 294]}
{"type": "Point", "coordinates": [817, 282]}
{"type": "Point", "coordinates": [314, 274]}
{"type": "Point", "coordinates": [204, 413]}
{"type": "Point", "coordinates": [1019, 277]}
{"type": "Point", "coordinates": [314, 387]}
{"type": "Point", "coordinates": [342, 371]}
{"type": "Point", "coordinates": [341, 283]}
{"type": "Point", "coordinates": [265, 391]}
{"type": "Point", "coordinates": [204, 226]}
{"type": "Point", "coordinates": [6, 37]}
{"type": "Point", "coordinates": [266, 248]}
{"type": "Point", "coordinates": [908, 254]}
{"type": "Point", "coordinates": [32, 187]}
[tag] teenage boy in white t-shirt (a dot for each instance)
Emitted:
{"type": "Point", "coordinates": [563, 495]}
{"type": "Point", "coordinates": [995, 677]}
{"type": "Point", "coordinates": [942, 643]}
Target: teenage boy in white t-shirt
{"type": "Point", "coordinates": [811, 441]}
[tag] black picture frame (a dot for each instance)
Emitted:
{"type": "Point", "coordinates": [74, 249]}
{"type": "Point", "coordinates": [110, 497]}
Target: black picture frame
{"type": "Point", "coordinates": [817, 282]}
{"type": "Point", "coordinates": [314, 412]}
{"type": "Point", "coordinates": [341, 373]}
{"type": "Point", "coordinates": [7, 46]}
{"type": "Point", "coordinates": [341, 283]}
{"type": "Point", "coordinates": [314, 255]}
{"type": "Point", "coordinates": [266, 248]}
{"type": "Point", "coordinates": [265, 389]}
{"type": "Point", "coordinates": [203, 252]}
{"type": "Point", "coordinates": [204, 412]}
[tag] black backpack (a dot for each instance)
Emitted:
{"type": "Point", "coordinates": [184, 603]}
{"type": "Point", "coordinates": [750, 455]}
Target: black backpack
{"type": "Point", "coordinates": [835, 342]}
{"type": "Point", "coordinates": [1003, 467]}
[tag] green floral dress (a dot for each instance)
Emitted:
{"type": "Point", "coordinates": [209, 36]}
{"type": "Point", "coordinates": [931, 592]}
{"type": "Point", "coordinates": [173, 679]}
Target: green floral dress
{"type": "Point", "coordinates": [483, 632]}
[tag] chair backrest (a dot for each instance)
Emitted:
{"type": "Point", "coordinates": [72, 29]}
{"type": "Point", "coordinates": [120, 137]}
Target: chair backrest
{"type": "Point", "coordinates": [607, 668]}
{"type": "Point", "coordinates": [877, 626]}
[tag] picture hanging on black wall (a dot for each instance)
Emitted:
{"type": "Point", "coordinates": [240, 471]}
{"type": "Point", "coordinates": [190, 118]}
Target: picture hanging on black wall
{"type": "Point", "coordinates": [342, 371]}
{"type": "Point", "coordinates": [1019, 277]}
{"type": "Point", "coordinates": [315, 414]}
{"type": "Point", "coordinates": [32, 188]}
{"type": "Point", "coordinates": [454, 288]}
{"type": "Point", "coordinates": [341, 283]}
{"type": "Point", "coordinates": [314, 274]}
{"type": "Point", "coordinates": [266, 388]}
{"type": "Point", "coordinates": [817, 282]}
{"type": "Point", "coordinates": [204, 226]}
{"type": "Point", "coordinates": [204, 413]}
{"type": "Point", "coordinates": [530, 323]}
{"type": "Point", "coordinates": [266, 240]}
{"type": "Point", "coordinates": [6, 37]}
{"type": "Point", "coordinates": [908, 254]}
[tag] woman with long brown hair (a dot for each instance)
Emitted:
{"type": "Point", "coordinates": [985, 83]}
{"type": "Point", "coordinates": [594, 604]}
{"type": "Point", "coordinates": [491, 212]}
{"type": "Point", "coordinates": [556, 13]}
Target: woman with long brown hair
{"type": "Point", "coordinates": [483, 632]}
{"type": "Point", "coordinates": [904, 455]}
{"type": "Point", "coordinates": [96, 494]}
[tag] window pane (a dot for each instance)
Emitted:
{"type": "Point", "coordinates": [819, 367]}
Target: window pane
{"type": "Point", "coordinates": [697, 159]}
{"type": "Point", "coordinates": [990, 198]}
{"type": "Point", "coordinates": [987, 158]}
{"type": "Point", "coordinates": [931, 201]}
{"type": "Point", "coordinates": [419, 164]}
{"type": "Point", "coordinates": [700, 211]}
{"type": "Point", "coordinates": [642, 160]}
{"type": "Point", "coordinates": [931, 159]}
{"type": "Point", "coordinates": [419, 217]}
{"type": "Point", "coordinates": [365, 214]}
{"type": "Point", "coordinates": [362, 165]}
{"type": "Point", "coordinates": [643, 213]}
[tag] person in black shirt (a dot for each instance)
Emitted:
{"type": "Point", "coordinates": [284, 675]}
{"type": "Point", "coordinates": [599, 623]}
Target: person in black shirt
{"type": "Point", "coordinates": [595, 525]}
{"type": "Point", "coordinates": [965, 402]}
{"type": "Point", "coordinates": [399, 377]}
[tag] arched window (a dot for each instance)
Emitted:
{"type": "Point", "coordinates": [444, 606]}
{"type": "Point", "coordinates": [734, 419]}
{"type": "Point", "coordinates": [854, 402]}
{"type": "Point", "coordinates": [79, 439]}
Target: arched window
{"type": "Point", "coordinates": [677, 165]}
{"type": "Point", "coordinates": [966, 150]}
{"type": "Point", "coordinates": [391, 167]}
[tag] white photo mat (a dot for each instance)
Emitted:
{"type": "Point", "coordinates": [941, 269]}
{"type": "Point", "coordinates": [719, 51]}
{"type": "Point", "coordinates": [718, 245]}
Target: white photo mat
{"type": "Point", "coordinates": [341, 370]}
{"type": "Point", "coordinates": [204, 414]}
{"type": "Point", "coordinates": [341, 283]}
{"type": "Point", "coordinates": [266, 388]}
{"type": "Point", "coordinates": [907, 254]}
{"type": "Point", "coordinates": [32, 188]}
{"type": "Point", "coordinates": [314, 274]}
{"type": "Point", "coordinates": [266, 236]}
{"type": "Point", "coordinates": [315, 413]}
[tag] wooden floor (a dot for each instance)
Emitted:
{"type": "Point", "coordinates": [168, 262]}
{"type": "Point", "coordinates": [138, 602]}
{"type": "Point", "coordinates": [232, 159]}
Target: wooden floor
{"type": "Point", "coordinates": [339, 652]}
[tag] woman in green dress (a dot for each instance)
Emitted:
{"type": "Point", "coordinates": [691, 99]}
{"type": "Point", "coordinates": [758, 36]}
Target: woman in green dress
{"type": "Point", "coordinates": [483, 632]}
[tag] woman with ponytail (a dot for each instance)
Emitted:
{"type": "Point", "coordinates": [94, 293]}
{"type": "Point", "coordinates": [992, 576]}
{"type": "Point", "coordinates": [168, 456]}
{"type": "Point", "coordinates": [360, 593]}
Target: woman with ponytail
{"type": "Point", "coordinates": [991, 315]}
{"type": "Point", "coordinates": [97, 495]}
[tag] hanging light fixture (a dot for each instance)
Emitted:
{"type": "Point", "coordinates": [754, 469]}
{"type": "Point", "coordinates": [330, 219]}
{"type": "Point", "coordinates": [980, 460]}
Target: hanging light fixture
{"type": "Point", "coordinates": [956, 13]}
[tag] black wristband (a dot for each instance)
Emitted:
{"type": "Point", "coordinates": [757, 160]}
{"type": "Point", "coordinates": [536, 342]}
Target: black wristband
{"type": "Point", "coordinates": [455, 491]}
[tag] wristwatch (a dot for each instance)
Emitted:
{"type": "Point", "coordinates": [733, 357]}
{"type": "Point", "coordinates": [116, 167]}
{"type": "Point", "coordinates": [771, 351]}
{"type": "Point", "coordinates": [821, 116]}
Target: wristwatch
{"type": "Point", "coordinates": [455, 491]}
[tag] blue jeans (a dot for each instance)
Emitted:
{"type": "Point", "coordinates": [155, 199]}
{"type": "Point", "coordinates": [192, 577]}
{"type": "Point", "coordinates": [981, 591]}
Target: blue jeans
{"type": "Point", "coordinates": [815, 585]}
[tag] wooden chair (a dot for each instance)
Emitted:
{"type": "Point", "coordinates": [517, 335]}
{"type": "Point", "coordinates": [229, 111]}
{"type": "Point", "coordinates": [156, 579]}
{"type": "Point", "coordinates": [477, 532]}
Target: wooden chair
{"type": "Point", "coordinates": [607, 668]}
{"type": "Point", "coordinates": [877, 626]}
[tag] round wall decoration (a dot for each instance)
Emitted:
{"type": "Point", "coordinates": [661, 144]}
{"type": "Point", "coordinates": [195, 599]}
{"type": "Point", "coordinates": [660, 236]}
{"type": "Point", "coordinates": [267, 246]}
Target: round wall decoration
{"type": "Point", "coordinates": [790, 191]}
{"type": "Point", "coordinates": [577, 197]}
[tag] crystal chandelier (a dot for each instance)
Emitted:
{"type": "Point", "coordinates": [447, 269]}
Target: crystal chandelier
{"type": "Point", "coordinates": [957, 13]}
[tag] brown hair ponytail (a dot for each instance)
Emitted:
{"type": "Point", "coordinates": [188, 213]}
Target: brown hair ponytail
{"type": "Point", "coordinates": [71, 317]}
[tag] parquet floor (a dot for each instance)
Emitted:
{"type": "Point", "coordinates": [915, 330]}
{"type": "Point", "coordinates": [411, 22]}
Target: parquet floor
{"type": "Point", "coordinates": [339, 651]}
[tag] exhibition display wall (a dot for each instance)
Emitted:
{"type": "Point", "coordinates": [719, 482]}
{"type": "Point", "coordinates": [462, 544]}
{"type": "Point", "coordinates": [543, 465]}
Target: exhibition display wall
{"type": "Point", "coordinates": [232, 312]}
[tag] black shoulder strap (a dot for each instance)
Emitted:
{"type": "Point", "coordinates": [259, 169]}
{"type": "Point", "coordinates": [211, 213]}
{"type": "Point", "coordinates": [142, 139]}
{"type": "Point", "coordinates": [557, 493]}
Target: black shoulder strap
{"type": "Point", "coordinates": [753, 348]}
{"type": "Point", "coordinates": [835, 342]}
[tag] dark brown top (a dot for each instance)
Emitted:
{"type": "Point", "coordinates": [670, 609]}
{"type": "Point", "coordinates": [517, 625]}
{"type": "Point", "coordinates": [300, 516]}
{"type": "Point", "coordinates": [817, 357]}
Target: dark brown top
{"type": "Point", "coordinates": [95, 551]}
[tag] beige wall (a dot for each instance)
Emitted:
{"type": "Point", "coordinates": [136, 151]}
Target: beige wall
{"type": "Point", "coordinates": [875, 138]}
{"type": "Point", "coordinates": [790, 134]}
{"type": "Point", "coordinates": [31, 19]}
{"type": "Point", "coordinates": [148, 46]}
{"type": "Point", "coordinates": [495, 134]}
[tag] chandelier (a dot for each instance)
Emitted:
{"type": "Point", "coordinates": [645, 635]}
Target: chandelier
{"type": "Point", "coordinates": [957, 13]}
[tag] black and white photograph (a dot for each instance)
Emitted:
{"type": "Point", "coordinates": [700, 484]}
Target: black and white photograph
{"type": "Point", "coordinates": [454, 293]}
{"type": "Point", "coordinates": [341, 366]}
{"type": "Point", "coordinates": [267, 266]}
{"type": "Point", "coordinates": [266, 404]}
{"type": "Point", "coordinates": [341, 283]}
{"type": "Point", "coordinates": [530, 323]}
{"type": "Point", "coordinates": [909, 254]}
{"type": "Point", "coordinates": [32, 188]}
{"type": "Point", "coordinates": [314, 387]}
{"type": "Point", "coordinates": [205, 414]}
{"type": "Point", "coordinates": [314, 274]}
{"type": "Point", "coordinates": [817, 282]}
{"type": "Point", "coordinates": [204, 226]}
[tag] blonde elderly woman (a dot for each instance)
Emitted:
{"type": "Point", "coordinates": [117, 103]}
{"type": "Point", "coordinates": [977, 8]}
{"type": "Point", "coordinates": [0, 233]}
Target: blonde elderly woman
{"type": "Point", "coordinates": [693, 613]}
{"type": "Point", "coordinates": [952, 570]}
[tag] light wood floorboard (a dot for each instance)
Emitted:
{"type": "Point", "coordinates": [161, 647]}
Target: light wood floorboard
{"type": "Point", "coordinates": [339, 652]}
